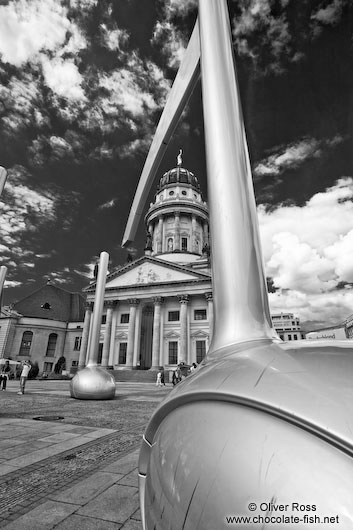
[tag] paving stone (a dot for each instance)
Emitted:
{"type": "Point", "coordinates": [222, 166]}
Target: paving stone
{"type": "Point", "coordinates": [116, 504]}
{"type": "Point", "coordinates": [79, 522]}
{"type": "Point", "coordinates": [124, 465]}
{"type": "Point", "coordinates": [131, 479]}
{"type": "Point", "coordinates": [132, 525]}
{"type": "Point", "coordinates": [49, 514]}
{"type": "Point", "coordinates": [87, 489]}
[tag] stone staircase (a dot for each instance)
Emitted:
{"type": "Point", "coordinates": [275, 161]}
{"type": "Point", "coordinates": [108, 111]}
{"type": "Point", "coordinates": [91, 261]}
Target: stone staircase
{"type": "Point", "coordinates": [136, 376]}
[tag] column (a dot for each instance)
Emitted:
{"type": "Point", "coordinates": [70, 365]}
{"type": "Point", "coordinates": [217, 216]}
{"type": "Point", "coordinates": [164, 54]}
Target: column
{"type": "Point", "coordinates": [85, 335]}
{"type": "Point", "coordinates": [177, 230]}
{"type": "Point", "coordinates": [209, 298]}
{"type": "Point", "coordinates": [131, 333]}
{"type": "Point", "coordinates": [183, 345]}
{"type": "Point", "coordinates": [107, 335]}
{"type": "Point", "coordinates": [205, 234]}
{"type": "Point", "coordinates": [111, 360]}
{"type": "Point", "coordinates": [136, 355]}
{"type": "Point", "coordinates": [156, 332]}
{"type": "Point", "coordinates": [159, 235]}
{"type": "Point", "coordinates": [193, 233]}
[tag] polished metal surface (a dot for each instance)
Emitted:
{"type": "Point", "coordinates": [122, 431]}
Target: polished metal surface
{"type": "Point", "coordinates": [261, 422]}
{"type": "Point", "coordinates": [93, 340]}
{"type": "Point", "coordinates": [3, 176]}
{"type": "Point", "coordinates": [3, 271]}
{"type": "Point", "coordinates": [181, 90]}
{"type": "Point", "coordinates": [240, 294]}
{"type": "Point", "coordinates": [92, 382]}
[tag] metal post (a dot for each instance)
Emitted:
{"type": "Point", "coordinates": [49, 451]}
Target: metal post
{"type": "Point", "coordinates": [98, 309]}
{"type": "Point", "coordinates": [240, 292]}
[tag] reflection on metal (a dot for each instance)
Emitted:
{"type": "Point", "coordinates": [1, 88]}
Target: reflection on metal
{"type": "Point", "coordinates": [93, 382]}
{"type": "Point", "coordinates": [260, 421]}
{"type": "Point", "coordinates": [3, 175]}
{"type": "Point", "coordinates": [3, 271]}
{"type": "Point", "coordinates": [182, 88]}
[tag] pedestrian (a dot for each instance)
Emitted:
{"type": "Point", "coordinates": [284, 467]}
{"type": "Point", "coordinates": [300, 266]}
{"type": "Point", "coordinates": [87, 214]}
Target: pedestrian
{"type": "Point", "coordinates": [162, 377]}
{"type": "Point", "coordinates": [24, 374]}
{"type": "Point", "coordinates": [159, 378]}
{"type": "Point", "coordinates": [193, 367]}
{"type": "Point", "coordinates": [5, 374]}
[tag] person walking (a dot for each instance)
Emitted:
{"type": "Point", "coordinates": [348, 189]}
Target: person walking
{"type": "Point", "coordinates": [159, 378]}
{"type": "Point", "coordinates": [5, 374]}
{"type": "Point", "coordinates": [24, 374]}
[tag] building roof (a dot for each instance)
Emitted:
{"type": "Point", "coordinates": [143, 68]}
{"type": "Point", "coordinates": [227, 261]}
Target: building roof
{"type": "Point", "coordinates": [178, 175]}
{"type": "Point", "coordinates": [52, 302]}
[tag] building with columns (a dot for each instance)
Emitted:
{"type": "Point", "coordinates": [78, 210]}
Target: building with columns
{"type": "Point", "coordinates": [158, 309]}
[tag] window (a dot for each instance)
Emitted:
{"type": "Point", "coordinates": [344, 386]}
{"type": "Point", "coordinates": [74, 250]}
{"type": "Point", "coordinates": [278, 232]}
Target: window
{"type": "Point", "coordinates": [26, 343]}
{"type": "Point", "coordinates": [184, 244]}
{"type": "Point", "coordinates": [48, 367]}
{"type": "Point", "coordinates": [200, 350]}
{"type": "Point", "coordinates": [77, 344]}
{"type": "Point", "coordinates": [200, 314]}
{"type": "Point", "coordinates": [173, 352]}
{"type": "Point", "coordinates": [122, 352]}
{"type": "Point", "coordinates": [183, 192]}
{"type": "Point", "coordinates": [173, 316]}
{"type": "Point", "coordinates": [104, 319]}
{"type": "Point", "coordinates": [289, 337]}
{"type": "Point", "coordinates": [124, 318]}
{"type": "Point", "coordinates": [170, 244]}
{"type": "Point", "coordinates": [46, 306]}
{"type": "Point", "coordinates": [295, 336]}
{"type": "Point", "coordinates": [282, 337]}
{"type": "Point", "coordinates": [51, 345]}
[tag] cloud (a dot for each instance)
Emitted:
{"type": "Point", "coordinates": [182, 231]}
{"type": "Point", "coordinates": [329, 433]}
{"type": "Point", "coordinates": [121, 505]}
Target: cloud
{"type": "Point", "coordinates": [27, 27]}
{"type": "Point", "coordinates": [307, 251]}
{"type": "Point", "coordinates": [179, 7]}
{"type": "Point", "coordinates": [25, 213]}
{"type": "Point", "coordinates": [261, 30]}
{"type": "Point", "coordinates": [114, 39]}
{"type": "Point", "coordinates": [64, 78]}
{"type": "Point", "coordinates": [172, 42]}
{"type": "Point", "coordinates": [330, 14]}
{"type": "Point", "coordinates": [294, 155]}
{"type": "Point", "coordinates": [108, 204]}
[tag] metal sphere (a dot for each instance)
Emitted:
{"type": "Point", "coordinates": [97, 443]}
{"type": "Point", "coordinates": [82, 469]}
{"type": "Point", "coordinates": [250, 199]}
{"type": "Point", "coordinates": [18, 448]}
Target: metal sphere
{"type": "Point", "coordinates": [93, 382]}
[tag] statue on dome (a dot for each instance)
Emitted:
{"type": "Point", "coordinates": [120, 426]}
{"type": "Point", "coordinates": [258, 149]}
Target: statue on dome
{"type": "Point", "coordinates": [179, 158]}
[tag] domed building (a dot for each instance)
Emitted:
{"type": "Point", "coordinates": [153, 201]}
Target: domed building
{"type": "Point", "coordinates": [158, 308]}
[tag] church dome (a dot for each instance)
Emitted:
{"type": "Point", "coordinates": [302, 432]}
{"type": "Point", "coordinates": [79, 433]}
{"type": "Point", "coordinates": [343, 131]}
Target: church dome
{"type": "Point", "coordinates": [178, 175]}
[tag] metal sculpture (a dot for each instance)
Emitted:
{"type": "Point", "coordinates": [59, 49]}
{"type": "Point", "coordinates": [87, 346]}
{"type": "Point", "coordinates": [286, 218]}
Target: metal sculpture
{"type": "Point", "coordinates": [3, 269]}
{"type": "Point", "coordinates": [93, 381]}
{"type": "Point", "coordinates": [262, 430]}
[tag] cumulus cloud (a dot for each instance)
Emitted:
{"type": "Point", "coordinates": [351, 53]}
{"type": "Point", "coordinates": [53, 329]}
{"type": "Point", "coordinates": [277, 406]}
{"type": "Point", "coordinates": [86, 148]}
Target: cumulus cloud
{"type": "Point", "coordinates": [329, 14]}
{"type": "Point", "coordinates": [293, 155]}
{"type": "Point", "coordinates": [64, 78]}
{"type": "Point", "coordinates": [307, 251]}
{"type": "Point", "coordinates": [27, 27]}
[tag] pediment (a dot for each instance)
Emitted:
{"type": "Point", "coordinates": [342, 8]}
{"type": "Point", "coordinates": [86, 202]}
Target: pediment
{"type": "Point", "coordinates": [148, 271]}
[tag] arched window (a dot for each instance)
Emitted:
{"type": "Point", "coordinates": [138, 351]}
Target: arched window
{"type": "Point", "coordinates": [26, 343]}
{"type": "Point", "coordinates": [53, 337]}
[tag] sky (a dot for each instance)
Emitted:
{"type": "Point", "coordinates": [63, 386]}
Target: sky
{"type": "Point", "coordinates": [82, 86]}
